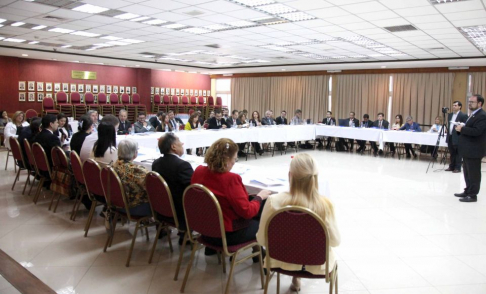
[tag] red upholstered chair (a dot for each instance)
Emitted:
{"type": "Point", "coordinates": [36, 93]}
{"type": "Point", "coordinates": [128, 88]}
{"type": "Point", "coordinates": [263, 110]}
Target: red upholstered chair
{"type": "Point", "coordinates": [78, 107]}
{"type": "Point", "coordinates": [18, 156]}
{"type": "Point", "coordinates": [202, 105]}
{"type": "Point", "coordinates": [219, 103]}
{"type": "Point", "coordinates": [174, 106]}
{"type": "Point", "coordinates": [117, 199]}
{"type": "Point", "coordinates": [77, 168]}
{"type": "Point", "coordinates": [210, 105]}
{"type": "Point", "coordinates": [63, 104]}
{"type": "Point", "coordinates": [193, 102]}
{"type": "Point", "coordinates": [290, 229]}
{"type": "Point", "coordinates": [115, 102]}
{"type": "Point", "coordinates": [104, 105]}
{"type": "Point", "coordinates": [49, 106]}
{"type": "Point", "coordinates": [131, 109]}
{"type": "Point", "coordinates": [156, 104]}
{"type": "Point", "coordinates": [163, 210]}
{"type": "Point", "coordinates": [31, 113]}
{"type": "Point", "coordinates": [43, 168]}
{"type": "Point", "coordinates": [165, 103]}
{"type": "Point", "coordinates": [90, 101]}
{"type": "Point", "coordinates": [60, 174]}
{"type": "Point", "coordinates": [191, 111]}
{"type": "Point", "coordinates": [92, 180]}
{"type": "Point", "coordinates": [203, 215]}
{"type": "Point", "coordinates": [32, 165]}
{"type": "Point", "coordinates": [139, 106]}
{"type": "Point", "coordinates": [184, 104]}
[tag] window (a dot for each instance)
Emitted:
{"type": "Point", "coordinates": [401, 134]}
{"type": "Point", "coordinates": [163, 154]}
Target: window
{"type": "Point", "coordinates": [330, 95]}
{"type": "Point", "coordinates": [223, 90]}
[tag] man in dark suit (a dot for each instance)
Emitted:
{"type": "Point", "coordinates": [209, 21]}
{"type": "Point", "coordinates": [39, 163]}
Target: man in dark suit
{"type": "Point", "coordinates": [46, 137]}
{"type": "Point", "coordinates": [365, 123]}
{"type": "Point", "coordinates": [233, 119]}
{"type": "Point", "coordinates": [173, 120]}
{"type": "Point", "coordinates": [217, 122]}
{"type": "Point", "coordinates": [351, 122]}
{"type": "Point", "coordinates": [472, 147]}
{"type": "Point", "coordinates": [268, 119]}
{"type": "Point", "coordinates": [329, 121]}
{"type": "Point", "coordinates": [282, 120]}
{"type": "Point", "coordinates": [453, 137]}
{"type": "Point", "coordinates": [410, 126]}
{"type": "Point", "coordinates": [380, 123]}
{"type": "Point", "coordinates": [155, 120]}
{"type": "Point", "coordinates": [175, 171]}
{"type": "Point", "coordinates": [125, 126]}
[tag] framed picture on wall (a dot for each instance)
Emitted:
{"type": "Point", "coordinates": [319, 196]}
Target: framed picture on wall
{"type": "Point", "coordinates": [122, 90]}
{"type": "Point", "coordinates": [81, 88]}
{"type": "Point", "coordinates": [187, 92]}
{"type": "Point", "coordinates": [57, 87]}
{"type": "Point", "coordinates": [95, 88]}
{"type": "Point", "coordinates": [162, 91]}
{"type": "Point", "coordinates": [81, 98]}
{"type": "Point", "coordinates": [196, 92]}
{"type": "Point", "coordinates": [134, 90]}
{"type": "Point", "coordinates": [31, 86]}
{"type": "Point", "coordinates": [172, 91]}
{"type": "Point", "coordinates": [108, 89]}
{"type": "Point", "coordinates": [22, 96]}
{"type": "Point", "coordinates": [157, 91]}
{"type": "Point", "coordinates": [151, 98]}
{"type": "Point", "coordinates": [88, 88]}
{"type": "Point", "coordinates": [115, 89]}
{"type": "Point", "coordinates": [22, 86]}
{"type": "Point", "coordinates": [40, 97]}
{"type": "Point", "coordinates": [204, 92]}
{"type": "Point", "coordinates": [152, 89]}
{"type": "Point", "coordinates": [102, 89]}
{"type": "Point", "coordinates": [127, 90]}
{"type": "Point", "coordinates": [48, 95]}
{"type": "Point", "coordinates": [191, 92]}
{"type": "Point", "coordinates": [40, 86]}
{"type": "Point", "coordinates": [177, 92]}
{"type": "Point", "coordinates": [31, 96]}
{"type": "Point", "coordinates": [65, 87]}
{"type": "Point", "coordinates": [49, 87]}
{"type": "Point", "coordinates": [74, 88]}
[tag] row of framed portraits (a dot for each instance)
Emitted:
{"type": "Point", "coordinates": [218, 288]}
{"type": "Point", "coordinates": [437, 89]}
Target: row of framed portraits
{"type": "Point", "coordinates": [174, 91]}
{"type": "Point", "coordinates": [39, 97]}
{"type": "Point", "coordinates": [80, 88]}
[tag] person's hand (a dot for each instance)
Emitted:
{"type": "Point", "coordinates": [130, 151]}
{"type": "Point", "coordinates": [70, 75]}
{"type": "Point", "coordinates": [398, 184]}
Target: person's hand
{"type": "Point", "coordinates": [264, 194]}
{"type": "Point", "coordinates": [144, 123]}
{"type": "Point", "coordinates": [129, 130]}
{"type": "Point", "coordinates": [458, 128]}
{"type": "Point", "coordinates": [223, 126]}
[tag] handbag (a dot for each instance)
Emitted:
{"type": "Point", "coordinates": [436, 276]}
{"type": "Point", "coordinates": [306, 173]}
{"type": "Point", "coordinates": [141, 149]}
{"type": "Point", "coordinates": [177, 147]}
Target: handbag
{"type": "Point", "coordinates": [61, 183]}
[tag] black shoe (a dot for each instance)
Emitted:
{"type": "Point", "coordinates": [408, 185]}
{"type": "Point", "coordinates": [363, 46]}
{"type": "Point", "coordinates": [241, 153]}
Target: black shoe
{"type": "Point", "coordinates": [209, 251]}
{"type": "Point", "coordinates": [463, 194]}
{"type": "Point", "coordinates": [414, 155]}
{"type": "Point", "coordinates": [375, 153]}
{"type": "Point", "coordinates": [162, 234]}
{"type": "Point", "coordinates": [181, 239]}
{"type": "Point", "coordinates": [392, 153]}
{"type": "Point", "coordinates": [241, 154]}
{"type": "Point", "coordinates": [456, 171]}
{"type": "Point", "coordinates": [469, 198]}
{"type": "Point", "coordinates": [261, 153]}
{"type": "Point", "coordinates": [359, 149]}
{"type": "Point", "coordinates": [256, 259]}
{"type": "Point", "coordinates": [408, 156]}
{"type": "Point", "coordinates": [449, 169]}
{"type": "Point", "coordinates": [380, 152]}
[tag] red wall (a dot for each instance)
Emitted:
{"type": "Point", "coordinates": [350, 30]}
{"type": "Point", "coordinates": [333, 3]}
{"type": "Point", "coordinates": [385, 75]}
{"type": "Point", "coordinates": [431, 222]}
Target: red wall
{"type": "Point", "coordinates": [13, 70]}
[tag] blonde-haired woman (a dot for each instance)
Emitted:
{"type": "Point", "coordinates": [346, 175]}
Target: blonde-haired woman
{"type": "Point", "coordinates": [240, 214]}
{"type": "Point", "coordinates": [303, 177]}
{"type": "Point", "coordinates": [12, 129]}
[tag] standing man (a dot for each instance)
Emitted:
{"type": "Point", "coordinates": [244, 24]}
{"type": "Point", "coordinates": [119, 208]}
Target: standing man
{"type": "Point", "coordinates": [125, 126]}
{"type": "Point", "coordinates": [472, 147]}
{"type": "Point", "coordinates": [453, 137]}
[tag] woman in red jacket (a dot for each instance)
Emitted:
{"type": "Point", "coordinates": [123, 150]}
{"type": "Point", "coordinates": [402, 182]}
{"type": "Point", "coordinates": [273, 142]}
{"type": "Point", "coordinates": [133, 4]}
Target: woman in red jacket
{"type": "Point", "coordinates": [241, 216]}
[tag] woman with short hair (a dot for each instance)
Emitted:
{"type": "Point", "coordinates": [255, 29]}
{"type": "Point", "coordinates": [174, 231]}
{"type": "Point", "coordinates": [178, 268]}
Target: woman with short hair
{"type": "Point", "coordinates": [304, 192]}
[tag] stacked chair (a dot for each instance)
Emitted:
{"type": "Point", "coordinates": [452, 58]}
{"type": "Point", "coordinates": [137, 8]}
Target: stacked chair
{"type": "Point", "coordinates": [63, 105]}
{"type": "Point", "coordinates": [78, 107]}
{"type": "Point", "coordinates": [90, 101]}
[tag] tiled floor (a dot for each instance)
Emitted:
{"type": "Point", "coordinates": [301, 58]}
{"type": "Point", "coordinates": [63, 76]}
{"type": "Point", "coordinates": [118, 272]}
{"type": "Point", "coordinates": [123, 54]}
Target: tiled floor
{"type": "Point", "coordinates": [403, 232]}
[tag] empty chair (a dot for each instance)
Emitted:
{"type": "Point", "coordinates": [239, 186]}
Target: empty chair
{"type": "Point", "coordinates": [156, 103]}
{"type": "Point", "coordinates": [193, 102]}
{"type": "Point", "coordinates": [219, 103]}
{"type": "Point", "coordinates": [115, 103]}
{"type": "Point", "coordinates": [174, 106]}
{"type": "Point", "coordinates": [92, 180]}
{"type": "Point", "coordinates": [43, 168]}
{"type": "Point", "coordinates": [139, 106]}
{"type": "Point", "coordinates": [49, 106]}
{"type": "Point", "coordinates": [104, 105]}
{"type": "Point", "coordinates": [90, 101]}
{"type": "Point", "coordinates": [77, 169]}
{"type": "Point", "coordinates": [18, 157]}
{"type": "Point", "coordinates": [63, 104]}
{"type": "Point", "coordinates": [78, 107]}
{"type": "Point", "coordinates": [184, 104]}
{"type": "Point", "coordinates": [165, 103]}
{"type": "Point", "coordinates": [202, 106]}
{"type": "Point", "coordinates": [61, 176]}
{"type": "Point", "coordinates": [131, 109]}
{"type": "Point", "coordinates": [31, 113]}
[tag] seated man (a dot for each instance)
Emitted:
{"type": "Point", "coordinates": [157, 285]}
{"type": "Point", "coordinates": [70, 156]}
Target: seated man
{"type": "Point", "coordinates": [233, 120]}
{"type": "Point", "coordinates": [141, 126]}
{"type": "Point", "coordinates": [410, 125]}
{"type": "Point", "coordinates": [366, 123]}
{"type": "Point", "coordinates": [352, 122]}
{"type": "Point", "coordinates": [46, 137]}
{"type": "Point", "coordinates": [217, 122]}
{"type": "Point", "coordinates": [328, 121]}
{"type": "Point", "coordinates": [155, 120]}
{"type": "Point", "coordinates": [268, 119]}
{"type": "Point", "coordinates": [281, 120]}
{"type": "Point", "coordinates": [125, 127]}
{"type": "Point", "coordinates": [297, 119]}
{"type": "Point", "coordinates": [174, 120]}
{"type": "Point", "coordinates": [380, 123]}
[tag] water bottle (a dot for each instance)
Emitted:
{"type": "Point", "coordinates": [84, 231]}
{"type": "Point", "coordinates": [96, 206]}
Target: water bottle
{"type": "Point", "coordinates": [352, 125]}
{"type": "Point", "coordinates": [199, 127]}
{"type": "Point", "coordinates": [177, 127]}
{"type": "Point", "coordinates": [132, 130]}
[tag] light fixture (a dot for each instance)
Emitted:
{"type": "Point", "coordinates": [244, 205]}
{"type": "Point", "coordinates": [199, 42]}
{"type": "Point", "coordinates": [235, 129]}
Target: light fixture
{"type": "Point", "coordinates": [196, 31]}
{"type": "Point", "coordinates": [376, 55]}
{"type": "Point", "coordinates": [253, 3]}
{"type": "Point", "coordinates": [137, 65]}
{"type": "Point", "coordinates": [14, 40]}
{"type": "Point", "coordinates": [165, 69]}
{"type": "Point", "coordinates": [174, 26]}
{"type": "Point", "coordinates": [154, 22]}
{"type": "Point", "coordinates": [276, 8]}
{"type": "Point", "coordinates": [241, 23]}
{"type": "Point", "coordinates": [140, 18]}
{"type": "Point", "coordinates": [383, 66]}
{"type": "Point", "coordinates": [117, 43]}
{"type": "Point", "coordinates": [85, 34]}
{"type": "Point", "coordinates": [126, 16]}
{"type": "Point", "coordinates": [25, 55]}
{"type": "Point", "coordinates": [54, 59]}
{"type": "Point", "coordinates": [132, 41]}
{"type": "Point", "coordinates": [66, 46]}
{"type": "Point", "coordinates": [76, 61]}
{"type": "Point", "coordinates": [88, 8]}
{"type": "Point", "coordinates": [103, 45]}
{"type": "Point", "coordinates": [475, 34]}
{"type": "Point", "coordinates": [39, 27]}
{"type": "Point", "coordinates": [61, 30]}
{"type": "Point", "coordinates": [283, 69]}
{"type": "Point", "coordinates": [297, 16]}
{"type": "Point", "coordinates": [435, 2]}
{"type": "Point", "coordinates": [1, 38]}
{"type": "Point", "coordinates": [2, 20]}
{"type": "Point", "coordinates": [111, 38]}
{"type": "Point", "coordinates": [217, 27]}
{"type": "Point", "coordinates": [18, 24]}
{"type": "Point", "coordinates": [91, 49]}
{"type": "Point", "coordinates": [34, 42]}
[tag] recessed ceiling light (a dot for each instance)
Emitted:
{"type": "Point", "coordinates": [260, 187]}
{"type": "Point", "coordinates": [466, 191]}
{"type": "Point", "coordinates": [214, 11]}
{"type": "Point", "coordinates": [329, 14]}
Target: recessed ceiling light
{"type": "Point", "coordinates": [76, 61]}
{"type": "Point", "coordinates": [126, 16]}
{"type": "Point", "coordinates": [88, 8]}
{"type": "Point", "coordinates": [217, 27]}
{"type": "Point", "coordinates": [61, 30]}
{"type": "Point", "coordinates": [102, 45]}
{"type": "Point", "coordinates": [435, 2]}
{"type": "Point", "coordinates": [174, 26]}
{"type": "Point", "coordinates": [117, 43]}
{"type": "Point", "coordinates": [39, 27]}
{"type": "Point", "coordinates": [18, 24]}
{"type": "Point", "coordinates": [154, 22]}
{"type": "Point", "coordinates": [179, 70]}
{"type": "Point", "coordinates": [253, 3]}
{"type": "Point", "coordinates": [25, 55]}
{"type": "Point", "coordinates": [241, 24]}
{"type": "Point", "coordinates": [283, 69]}
{"type": "Point", "coordinates": [2, 20]}
{"type": "Point", "coordinates": [137, 65]}
{"type": "Point", "coordinates": [166, 69]}
{"type": "Point", "coordinates": [14, 40]}
{"type": "Point", "coordinates": [140, 18]}
{"type": "Point", "coordinates": [111, 38]}
{"type": "Point", "coordinates": [34, 42]}
{"type": "Point", "coordinates": [85, 34]}
{"type": "Point", "coordinates": [132, 41]}
{"type": "Point", "coordinates": [383, 66]}
{"type": "Point", "coordinates": [297, 16]}
{"type": "Point", "coordinates": [376, 55]}
{"type": "Point", "coordinates": [91, 49]}
{"type": "Point", "coordinates": [1, 38]}
{"type": "Point", "coordinates": [54, 59]}
{"type": "Point", "coordinates": [196, 31]}
{"type": "Point", "coordinates": [66, 46]}
{"type": "Point", "coordinates": [148, 56]}
{"type": "Point", "coordinates": [276, 8]}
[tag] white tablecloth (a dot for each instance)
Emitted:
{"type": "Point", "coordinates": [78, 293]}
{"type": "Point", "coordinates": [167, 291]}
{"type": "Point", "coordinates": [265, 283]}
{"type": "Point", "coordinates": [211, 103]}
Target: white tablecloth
{"type": "Point", "coordinates": [413, 138]}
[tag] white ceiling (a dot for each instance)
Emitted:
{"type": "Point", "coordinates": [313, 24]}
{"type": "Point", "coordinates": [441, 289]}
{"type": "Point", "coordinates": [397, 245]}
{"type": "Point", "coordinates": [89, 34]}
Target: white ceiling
{"type": "Point", "coordinates": [323, 43]}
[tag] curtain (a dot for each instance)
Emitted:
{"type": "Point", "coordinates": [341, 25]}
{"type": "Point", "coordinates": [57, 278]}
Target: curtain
{"type": "Point", "coordinates": [421, 95]}
{"type": "Point", "coordinates": [362, 94]}
{"type": "Point", "coordinates": [478, 84]}
{"type": "Point", "coordinates": [308, 93]}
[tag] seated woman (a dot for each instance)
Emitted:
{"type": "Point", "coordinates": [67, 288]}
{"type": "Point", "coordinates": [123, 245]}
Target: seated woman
{"type": "Point", "coordinates": [193, 124]}
{"type": "Point", "coordinates": [64, 131]}
{"type": "Point", "coordinates": [4, 120]}
{"type": "Point", "coordinates": [133, 178]}
{"type": "Point", "coordinates": [395, 127]}
{"type": "Point", "coordinates": [240, 214]}
{"type": "Point", "coordinates": [104, 150]}
{"type": "Point", "coordinates": [256, 121]}
{"type": "Point", "coordinates": [13, 128]}
{"type": "Point", "coordinates": [303, 191]}
{"type": "Point", "coordinates": [242, 123]}
{"type": "Point", "coordinates": [165, 125]}
{"type": "Point", "coordinates": [85, 128]}
{"type": "Point", "coordinates": [29, 134]}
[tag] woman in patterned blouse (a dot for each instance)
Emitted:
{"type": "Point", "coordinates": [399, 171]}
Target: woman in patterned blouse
{"type": "Point", "coordinates": [133, 178]}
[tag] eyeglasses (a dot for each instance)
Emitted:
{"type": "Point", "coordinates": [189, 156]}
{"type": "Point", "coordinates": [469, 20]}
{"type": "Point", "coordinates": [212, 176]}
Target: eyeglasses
{"type": "Point", "coordinates": [472, 102]}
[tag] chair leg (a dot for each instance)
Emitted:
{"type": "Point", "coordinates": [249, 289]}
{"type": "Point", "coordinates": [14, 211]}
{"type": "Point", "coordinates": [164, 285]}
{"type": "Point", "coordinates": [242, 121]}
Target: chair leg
{"type": "Point", "coordinates": [26, 181]}
{"type": "Point", "coordinates": [168, 239]}
{"type": "Point", "coordinates": [133, 244]}
{"type": "Point", "coordinates": [188, 270]}
{"type": "Point", "coordinates": [260, 257]}
{"type": "Point", "coordinates": [155, 243]}
{"type": "Point", "coordinates": [90, 217]}
{"type": "Point", "coordinates": [32, 185]}
{"type": "Point", "coordinates": [76, 198]}
{"type": "Point", "coordinates": [77, 206]}
{"type": "Point", "coordinates": [57, 202]}
{"type": "Point", "coordinates": [224, 262]}
{"type": "Point", "coordinates": [111, 233]}
{"type": "Point", "coordinates": [278, 283]}
{"type": "Point", "coordinates": [52, 199]}
{"type": "Point", "coordinates": [16, 179]}
{"type": "Point", "coordinates": [231, 272]}
{"type": "Point", "coordinates": [115, 222]}
{"type": "Point", "coordinates": [6, 163]}
{"type": "Point", "coordinates": [38, 190]}
{"type": "Point", "coordinates": [181, 253]}
{"type": "Point", "coordinates": [267, 281]}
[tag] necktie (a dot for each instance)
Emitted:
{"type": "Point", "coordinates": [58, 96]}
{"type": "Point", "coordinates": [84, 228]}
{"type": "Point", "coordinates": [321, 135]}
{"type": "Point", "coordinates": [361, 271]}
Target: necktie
{"type": "Point", "coordinates": [380, 123]}
{"type": "Point", "coordinates": [219, 123]}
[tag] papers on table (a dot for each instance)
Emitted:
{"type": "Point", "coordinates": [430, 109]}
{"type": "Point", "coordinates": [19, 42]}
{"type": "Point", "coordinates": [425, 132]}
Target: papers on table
{"type": "Point", "coordinates": [268, 182]}
{"type": "Point", "coordinates": [457, 123]}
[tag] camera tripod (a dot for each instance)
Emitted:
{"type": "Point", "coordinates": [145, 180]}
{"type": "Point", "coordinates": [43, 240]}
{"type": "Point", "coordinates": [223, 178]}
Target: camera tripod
{"type": "Point", "coordinates": [444, 130]}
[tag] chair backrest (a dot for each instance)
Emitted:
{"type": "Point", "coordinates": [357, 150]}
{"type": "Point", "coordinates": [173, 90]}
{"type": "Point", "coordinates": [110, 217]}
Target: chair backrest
{"type": "Point", "coordinates": [76, 97]}
{"type": "Point", "coordinates": [40, 158]}
{"type": "Point", "coordinates": [191, 111]}
{"type": "Point", "coordinates": [184, 100]}
{"type": "Point", "coordinates": [101, 98]}
{"type": "Point", "coordinates": [210, 101]}
{"type": "Point", "coordinates": [202, 211]}
{"type": "Point", "coordinates": [16, 150]}
{"type": "Point", "coordinates": [219, 101]}
{"type": "Point", "coordinates": [113, 189]}
{"type": "Point", "coordinates": [59, 159]}
{"type": "Point", "coordinates": [77, 167]}
{"type": "Point", "coordinates": [92, 179]}
{"type": "Point", "coordinates": [114, 98]}
{"type": "Point", "coordinates": [157, 99]}
{"type": "Point", "coordinates": [30, 113]}
{"type": "Point", "coordinates": [175, 99]}
{"type": "Point", "coordinates": [48, 104]}
{"type": "Point", "coordinates": [125, 98]}
{"type": "Point", "coordinates": [166, 99]}
{"type": "Point", "coordinates": [343, 122]}
{"type": "Point", "coordinates": [160, 197]}
{"type": "Point", "coordinates": [292, 228]}
{"type": "Point", "coordinates": [193, 100]}
{"type": "Point", "coordinates": [200, 100]}
{"type": "Point", "coordinates": [30, 156]}
{"type": "Point", "coordinates": [136, 98]}
{"type": "Point", "coordinates": [61, 97]}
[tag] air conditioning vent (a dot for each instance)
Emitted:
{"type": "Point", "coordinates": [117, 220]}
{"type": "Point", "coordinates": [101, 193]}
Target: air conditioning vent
{"type": "Point", "coordinates": [436, 2]}
{"type": "Point", "coordinates": [194, 13]}
{"type": "Point", "coordinates": [55, 18]}
{"type": "Point", "coordinates": [213, 46]}
{"type": "Point", "coordinates": [397, 29]}
{"type": "Point", "coordinates": [436, 49]}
